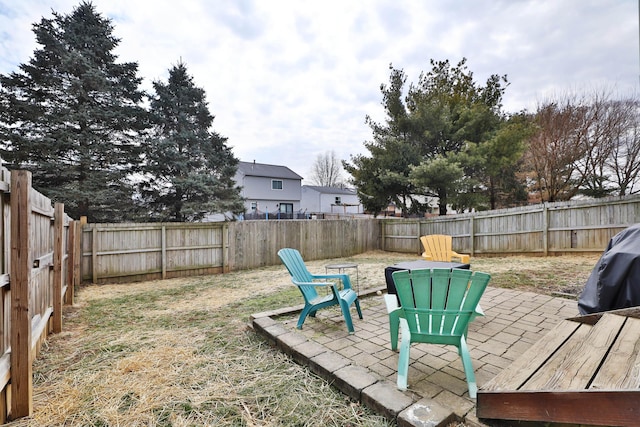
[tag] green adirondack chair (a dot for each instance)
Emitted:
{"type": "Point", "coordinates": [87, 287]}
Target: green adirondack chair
{"type": "Point", "coordinates": [308, 284]}
{"type": "Point", "coordinates": [436, 307]}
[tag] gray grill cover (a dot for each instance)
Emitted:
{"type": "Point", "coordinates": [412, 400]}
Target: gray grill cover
{"type": "Point", "coordinates": [615, 280]}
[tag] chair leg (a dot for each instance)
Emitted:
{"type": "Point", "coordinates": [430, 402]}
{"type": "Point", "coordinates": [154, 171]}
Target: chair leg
{"type": "Point", "coordinates": [357, 302]}
{"type": "Point", "coordinates": [394, 325]}
{"type": "Point", "coordinates": [468, 368]}
{"type": "Point", "coordinates": [403, 358]}
{"type": "Point", "coordinates": [344, 306]}
{"type": "Point", "coordinates": [303, 316]}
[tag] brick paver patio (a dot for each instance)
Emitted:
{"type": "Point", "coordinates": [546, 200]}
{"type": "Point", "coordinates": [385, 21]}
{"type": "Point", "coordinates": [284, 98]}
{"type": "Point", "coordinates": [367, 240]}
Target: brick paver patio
{"type": "Point", "coordinates": [363, 366]}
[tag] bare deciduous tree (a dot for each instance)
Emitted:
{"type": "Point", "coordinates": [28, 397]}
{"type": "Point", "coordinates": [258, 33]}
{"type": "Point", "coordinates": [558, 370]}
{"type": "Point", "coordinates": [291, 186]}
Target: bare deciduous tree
{"type": "Point", "coordinates": [599, 119]}
{"type": "Point", "coordinates": [589, 145]}
{"type": "Point", "coordinates": [624, 160]}
{"type": "Point", "coordinates": [327, 170]}
{"type": "Point", "coordinates": [555, 148]}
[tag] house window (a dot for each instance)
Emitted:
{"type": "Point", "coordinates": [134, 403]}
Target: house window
{"type": "Point", "coordinates": [338, 200]}
{"type": "Point", "coordinates": [276, 184]}
{"type": "Point", "coordinates": [254, 206]}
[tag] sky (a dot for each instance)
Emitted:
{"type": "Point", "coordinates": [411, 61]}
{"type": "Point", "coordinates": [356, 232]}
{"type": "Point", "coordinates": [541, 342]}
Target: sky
{"type": "Point", "coordinates": [289, 80]}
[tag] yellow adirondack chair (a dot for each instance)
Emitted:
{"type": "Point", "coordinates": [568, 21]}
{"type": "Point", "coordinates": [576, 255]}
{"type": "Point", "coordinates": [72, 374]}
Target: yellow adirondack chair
{"type": "Point", "coordinates": [438, 247]}
{"type": "Point", "coordinates": [436, 307]}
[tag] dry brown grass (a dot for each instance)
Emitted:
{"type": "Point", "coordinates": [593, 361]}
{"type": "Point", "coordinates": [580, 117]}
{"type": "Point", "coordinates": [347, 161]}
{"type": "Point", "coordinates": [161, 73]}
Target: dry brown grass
{"type": "Point", "coordinates": [178, 352]}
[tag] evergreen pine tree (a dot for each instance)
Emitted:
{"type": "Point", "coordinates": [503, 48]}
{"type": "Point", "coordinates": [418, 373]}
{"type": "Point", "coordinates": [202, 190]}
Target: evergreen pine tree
{"type": "Point", "coordinates": [189, 169]}
{"type": "Point", "coordinates": [72, 116]}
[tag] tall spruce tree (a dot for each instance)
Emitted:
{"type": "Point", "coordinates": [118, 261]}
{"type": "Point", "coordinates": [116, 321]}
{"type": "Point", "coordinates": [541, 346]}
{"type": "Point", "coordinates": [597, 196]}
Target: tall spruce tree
{"type": "Point", "coordinates": [72, 116]}
{"type": "Point", "coordinates": [189, 169]}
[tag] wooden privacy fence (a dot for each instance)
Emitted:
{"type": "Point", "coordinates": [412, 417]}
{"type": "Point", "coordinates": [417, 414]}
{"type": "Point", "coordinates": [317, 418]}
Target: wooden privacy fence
{"type": "Point", "coordinates": [38, 271]}
{"type": "Point", "coordinates": [255, 244]}
{"type": "Point", "coordinates": [127, 252]}
{"type": "Point", "coordinates": [549, 228]}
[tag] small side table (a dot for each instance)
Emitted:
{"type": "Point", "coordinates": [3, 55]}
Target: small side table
{"type": "Point", "coordinates": [341, 268]}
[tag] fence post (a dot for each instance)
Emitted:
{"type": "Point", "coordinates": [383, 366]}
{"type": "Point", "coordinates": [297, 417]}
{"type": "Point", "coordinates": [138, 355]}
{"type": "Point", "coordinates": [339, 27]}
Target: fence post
{"type": "Point", "coordinates": [72, 264]}
{"type": "Point", "coordinates": [94, 255]}
{"type": "Point", "coordinates": [225, 248]}
{"type": "Point", "coordinates": [545, 228]}
{"type": "Point", "coordinates": [58, 248]}
{"type": "Point", "coordinates": [20, 273]}
{"type": "Point", "coordinates": [163, 251]}
{"type": "Point", "coordinates": [472, 235]}
{"type": "Point", "coordinates": [79, 247]}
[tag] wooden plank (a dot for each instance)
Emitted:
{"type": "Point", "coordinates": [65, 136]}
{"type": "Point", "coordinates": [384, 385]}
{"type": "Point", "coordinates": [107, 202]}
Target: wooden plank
{"type": "Point", "coordinates": [225, 248]}
{"type": "Point", "coordinates": [77, 258]}
{"type": "Point", "coordinates": [44, 261]}
{"type": "Point", "coordinates": [5, 369]}
{"type": "Point", "coordinates": [21, 367]}
{"type": "Point", "coordinates": [621, 369]}
{"type": "Point", "coordinates": [94, 256]}
{"type": "Point", "coordinates": [593, 318]}
{"type": "Point", "coordinates": [58, 248]}
{"type": "Point", "coordinates": [39, 325]}
{"type": "Point", "coordinates": [163, 240]}
{"type": "Point", "coordinates": [590, 407]}
{"type": "Point", "coordinates": [516, 374]}
{"type": "Point", "coordinates": [575, 364]}
{"type": "Point", "coordinates": [70, 276]}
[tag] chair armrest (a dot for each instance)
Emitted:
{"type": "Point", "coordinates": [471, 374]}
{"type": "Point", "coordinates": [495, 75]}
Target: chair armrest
{"type": "Point", "coordinates": [344, 278]}
{"type": "Point", "coordinates": [391, 302]}
{"type": "Point", "coordinates": [478, 311]}
{"type": "Point", "coordinates": [427, 256]}
{"type": "Point", "coordinates": [318, 284]}
{"type": "Point", "coordinates": [463, 257]}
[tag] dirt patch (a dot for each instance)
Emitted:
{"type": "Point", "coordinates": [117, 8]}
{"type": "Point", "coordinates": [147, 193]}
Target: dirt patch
{"type": "Point", "coordinates": [550, 275]}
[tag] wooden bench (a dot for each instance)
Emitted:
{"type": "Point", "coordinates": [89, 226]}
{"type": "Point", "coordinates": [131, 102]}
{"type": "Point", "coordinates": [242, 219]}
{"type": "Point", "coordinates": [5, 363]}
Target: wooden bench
{"type": "Point", "coordinates": [584, 371]}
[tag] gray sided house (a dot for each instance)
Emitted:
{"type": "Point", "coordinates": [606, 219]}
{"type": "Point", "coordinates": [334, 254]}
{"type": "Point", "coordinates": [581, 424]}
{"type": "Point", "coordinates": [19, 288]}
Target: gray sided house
{"type": "Point", "coordinates": [317, 199]}
{"type": "Point", "coordinates": [269, 189]}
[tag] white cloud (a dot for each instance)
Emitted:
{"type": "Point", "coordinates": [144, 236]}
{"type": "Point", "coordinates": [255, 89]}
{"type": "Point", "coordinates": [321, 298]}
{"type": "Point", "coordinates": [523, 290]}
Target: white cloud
{"type": "Point", "coordinates": [288, 80]}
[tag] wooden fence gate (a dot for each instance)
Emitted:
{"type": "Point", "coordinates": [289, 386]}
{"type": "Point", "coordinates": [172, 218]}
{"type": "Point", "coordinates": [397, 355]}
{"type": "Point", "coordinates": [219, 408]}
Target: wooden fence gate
{"type": "Point", "coordinates": [39, 267]}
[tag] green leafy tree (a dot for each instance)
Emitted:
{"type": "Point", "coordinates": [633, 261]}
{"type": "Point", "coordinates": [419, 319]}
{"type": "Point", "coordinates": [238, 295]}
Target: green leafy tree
{"type": "Point", "coordinates": [439, 177]}
{"type": "Point", "coordinates": [188, 168]}
{"type": "Point", "coordinates": [72, 116]}
{"type": "Point", "coordinates": [451, 109]}
{"type": "Point", "coordinates": [493, 166]}
{"type": "Point", "coordinates": [384, 178]}
{"type": "Point", "coordinates": [371, 191]}
{"type": "Point", "coordinates": [440, 118]}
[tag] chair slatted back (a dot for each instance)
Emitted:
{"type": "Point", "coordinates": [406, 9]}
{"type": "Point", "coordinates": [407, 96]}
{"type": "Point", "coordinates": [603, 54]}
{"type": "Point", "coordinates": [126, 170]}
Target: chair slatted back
{"type": "Point", "coordinates": [292, 259]}
{"type": "Point", "coordinates": [439, 302]}
{"type": "Point", "coordinates": [439, 246]}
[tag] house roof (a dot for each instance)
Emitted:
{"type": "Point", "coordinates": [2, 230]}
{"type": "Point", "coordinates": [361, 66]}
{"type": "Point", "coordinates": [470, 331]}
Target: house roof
{"type": "Point", "coordinates": [331, 190]}
{"type": "Point", "coordinates": [264, 170]}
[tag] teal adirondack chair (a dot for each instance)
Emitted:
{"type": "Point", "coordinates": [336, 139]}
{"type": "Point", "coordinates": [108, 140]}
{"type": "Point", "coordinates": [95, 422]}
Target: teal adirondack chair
{"type": "Point", "coordinates": [436, 307]}
{"type": "Point", "coordinates": [308, 284]}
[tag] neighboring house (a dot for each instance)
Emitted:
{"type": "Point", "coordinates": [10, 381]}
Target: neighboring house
{"type": "Point", "coordinates": [317, 199]}
{"type": "Point", "coordinates": [269, 188]}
